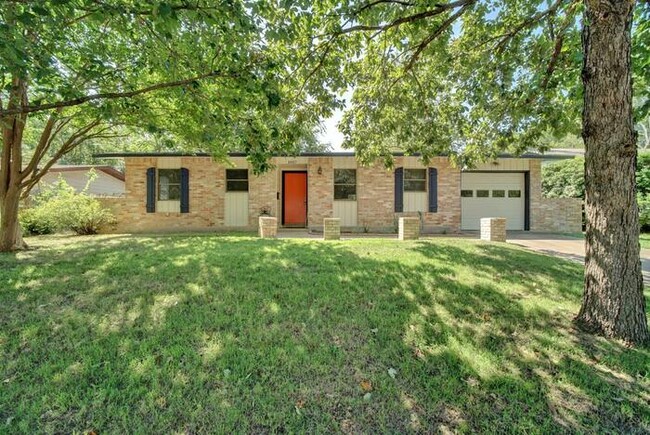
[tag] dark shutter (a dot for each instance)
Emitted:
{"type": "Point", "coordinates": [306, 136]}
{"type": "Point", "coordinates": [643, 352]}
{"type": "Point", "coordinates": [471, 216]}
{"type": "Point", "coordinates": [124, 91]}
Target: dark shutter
{"type": "Point", "coordinates": [433, 190]}
{"type": "Point", "coordinates": [185, 190]}
{"type": "Point", "coordinates": [399, 190]}
{"type": "Point", "coordinates": [151, 190]}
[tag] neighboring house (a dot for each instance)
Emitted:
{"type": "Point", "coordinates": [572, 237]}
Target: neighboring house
{"type": "Point", "coordinates": [108, 181]}
{"type": "Point", "coordinates": [176, 192]}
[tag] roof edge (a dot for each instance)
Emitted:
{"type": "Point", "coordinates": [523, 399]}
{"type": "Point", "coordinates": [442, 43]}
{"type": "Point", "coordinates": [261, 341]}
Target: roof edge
{"type": "Point", "coordinates": [308, 154]}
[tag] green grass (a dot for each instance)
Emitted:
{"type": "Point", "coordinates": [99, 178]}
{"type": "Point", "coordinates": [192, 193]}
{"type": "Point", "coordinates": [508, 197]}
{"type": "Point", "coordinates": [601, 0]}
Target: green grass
{"type": "Point", "coordinates": [644, 238]}
{"type": "Point", "coordinates": [120, 334]}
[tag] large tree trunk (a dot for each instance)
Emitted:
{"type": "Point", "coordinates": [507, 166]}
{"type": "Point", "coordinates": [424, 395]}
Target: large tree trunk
{"type": "Point", "coordinates": [11, 162]}
{"type": "Point", "coordinates": [613, 303]}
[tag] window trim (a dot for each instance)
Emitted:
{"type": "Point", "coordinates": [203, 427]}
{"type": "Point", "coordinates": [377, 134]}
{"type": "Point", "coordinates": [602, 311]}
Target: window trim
{"type": "Point", "coordinates": [158, 198]}
{"type": "Point", "coordinates": [237, 179]}
{"type": "Point", "coordinates": [344, 184]}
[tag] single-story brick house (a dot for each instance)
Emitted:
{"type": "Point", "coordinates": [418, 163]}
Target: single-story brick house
{"type": "Point", "coordinates": [181, 192]}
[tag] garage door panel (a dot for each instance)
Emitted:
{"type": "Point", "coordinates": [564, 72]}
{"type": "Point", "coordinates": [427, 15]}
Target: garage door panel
{"type": "Point", "coordinates": [506, 205]}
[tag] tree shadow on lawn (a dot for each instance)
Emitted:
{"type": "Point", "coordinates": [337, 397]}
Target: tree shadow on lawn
{"type": "Point", "coordinates": [214, 334]}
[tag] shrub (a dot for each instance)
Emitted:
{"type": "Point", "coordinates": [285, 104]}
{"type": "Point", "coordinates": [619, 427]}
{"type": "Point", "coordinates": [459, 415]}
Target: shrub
{"type": "Point", "coordinates": [59, 207]}
{"type": "Point", "coordinates": [564, 179]}
{"type": "Point", "coordinates": [35, 222]}
{"type": "Point", "coordinates": [86, 215]}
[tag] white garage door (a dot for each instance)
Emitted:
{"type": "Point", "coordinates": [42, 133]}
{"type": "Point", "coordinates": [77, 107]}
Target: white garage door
{"type": "Point", "coordinates": [485, 194]}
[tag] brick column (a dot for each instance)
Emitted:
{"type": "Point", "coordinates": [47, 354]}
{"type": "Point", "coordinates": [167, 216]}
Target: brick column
{"type": "Point", "coordinates": [409, 228]}
{"type": "Point", "coordinates": [493, 229]}
{"type": "Point", "coordinates": [331, 228]}
{"type": "Point", "coordinates": [268, 227]}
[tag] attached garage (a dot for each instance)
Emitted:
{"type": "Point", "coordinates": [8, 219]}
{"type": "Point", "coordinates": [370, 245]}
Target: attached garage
{"type": "Point", "coordinates": [493, 194]}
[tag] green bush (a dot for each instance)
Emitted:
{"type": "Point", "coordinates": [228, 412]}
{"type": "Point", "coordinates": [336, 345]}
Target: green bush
{"type": "Point", "coordinates": [59, 207]}
{"type": "Point", "coordinates": [86, 215]}
{"type": "Point", "coordinates": [35, 222]}
{"type": "Point", "coordinates": [564, 179]}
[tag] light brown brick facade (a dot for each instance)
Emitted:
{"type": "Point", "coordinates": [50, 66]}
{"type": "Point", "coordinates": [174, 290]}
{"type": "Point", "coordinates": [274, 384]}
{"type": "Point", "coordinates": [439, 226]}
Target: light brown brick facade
{"type": "Point", "coordinates": [375, 196]}
{"type": "Point", "coordinates": [558, 215]}
{"type": "Point", "coordinates": [320, 190]}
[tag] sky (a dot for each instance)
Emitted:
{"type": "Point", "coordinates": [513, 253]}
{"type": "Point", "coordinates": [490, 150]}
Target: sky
{"type": "Point", "coordinates": [331, 133]}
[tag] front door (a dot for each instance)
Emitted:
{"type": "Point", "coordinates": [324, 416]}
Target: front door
{"type": "Point", "coordinates": [294, 199]}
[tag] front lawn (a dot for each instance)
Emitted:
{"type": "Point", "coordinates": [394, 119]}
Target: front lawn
{"type": "Point", "coordinates": [193, 334]}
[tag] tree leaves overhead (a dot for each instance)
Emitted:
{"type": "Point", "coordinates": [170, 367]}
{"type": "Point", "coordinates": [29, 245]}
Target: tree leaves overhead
{"type": "Point", "coordinates": [467, 78]}
{"type": "Point", "coordinates": [216, 84]}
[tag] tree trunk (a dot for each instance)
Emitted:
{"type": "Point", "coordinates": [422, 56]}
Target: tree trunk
{"type": "Point", "coordinates": [11, 163]}
{"type": "Point", "coordinates": [613, 303]}
{"type": "Point", "coordinates": [11, 238]}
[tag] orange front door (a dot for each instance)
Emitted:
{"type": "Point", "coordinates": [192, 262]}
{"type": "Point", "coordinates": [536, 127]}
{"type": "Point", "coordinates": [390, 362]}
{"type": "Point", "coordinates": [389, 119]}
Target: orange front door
{"type": "Point", "coordinates": [294, 205]}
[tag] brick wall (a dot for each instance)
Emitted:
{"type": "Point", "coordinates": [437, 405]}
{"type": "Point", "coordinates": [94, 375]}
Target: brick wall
{"type": "Point", "coordinates": [320, 188]}
{"type": "Point", "coordinates": [262, 194]}
{"type": "Point", "coordinates": [557, 215]}
{"type": "Point", "coordinates": [375, 196]}
{"type": "Point", "coordinates": [207, 182]}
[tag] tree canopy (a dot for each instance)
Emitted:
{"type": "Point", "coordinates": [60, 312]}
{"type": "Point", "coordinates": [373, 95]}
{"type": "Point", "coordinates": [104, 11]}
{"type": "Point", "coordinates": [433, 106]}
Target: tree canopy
{"type": "Point", "coordinates": [467, 78]}
{"type": "Point", "coordinates": [200, 72]}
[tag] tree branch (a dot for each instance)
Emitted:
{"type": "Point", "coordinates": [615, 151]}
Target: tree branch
{"type": "Point", "coordinates": [377, 2]}
{"type": "Point", "coordinates": [109, 95]}
{"type": "Point", "coordinates": [429, 39]}
{"type": "Point", "coordinates": [81, 135]}
{"type": "Point", "coordinates": [439, 9]}
{"type": "Point", "coordinates": [506, 37]}
{"type": "Point", "coordinates": [44, 142]}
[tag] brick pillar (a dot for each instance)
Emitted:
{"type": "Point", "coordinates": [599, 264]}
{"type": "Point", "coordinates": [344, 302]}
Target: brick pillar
{"type": "Point", "coordinates": [268, 227]}
{"type": "Point", "coordinates": [409, 228]}
{"type": "Point", "coordinates": [493, 229]}
{"type": "Point", "coordinates": [331, 228]}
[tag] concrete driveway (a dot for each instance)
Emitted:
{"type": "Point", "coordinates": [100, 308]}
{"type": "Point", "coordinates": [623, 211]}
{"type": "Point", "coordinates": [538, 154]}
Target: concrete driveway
{"type": "Point", "coordinates": [571, 248]}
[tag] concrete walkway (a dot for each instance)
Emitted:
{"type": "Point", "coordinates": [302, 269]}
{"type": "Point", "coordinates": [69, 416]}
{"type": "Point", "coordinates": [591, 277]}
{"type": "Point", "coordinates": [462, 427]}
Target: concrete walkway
{"type": "Point", "coordinates": [572, 248]}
